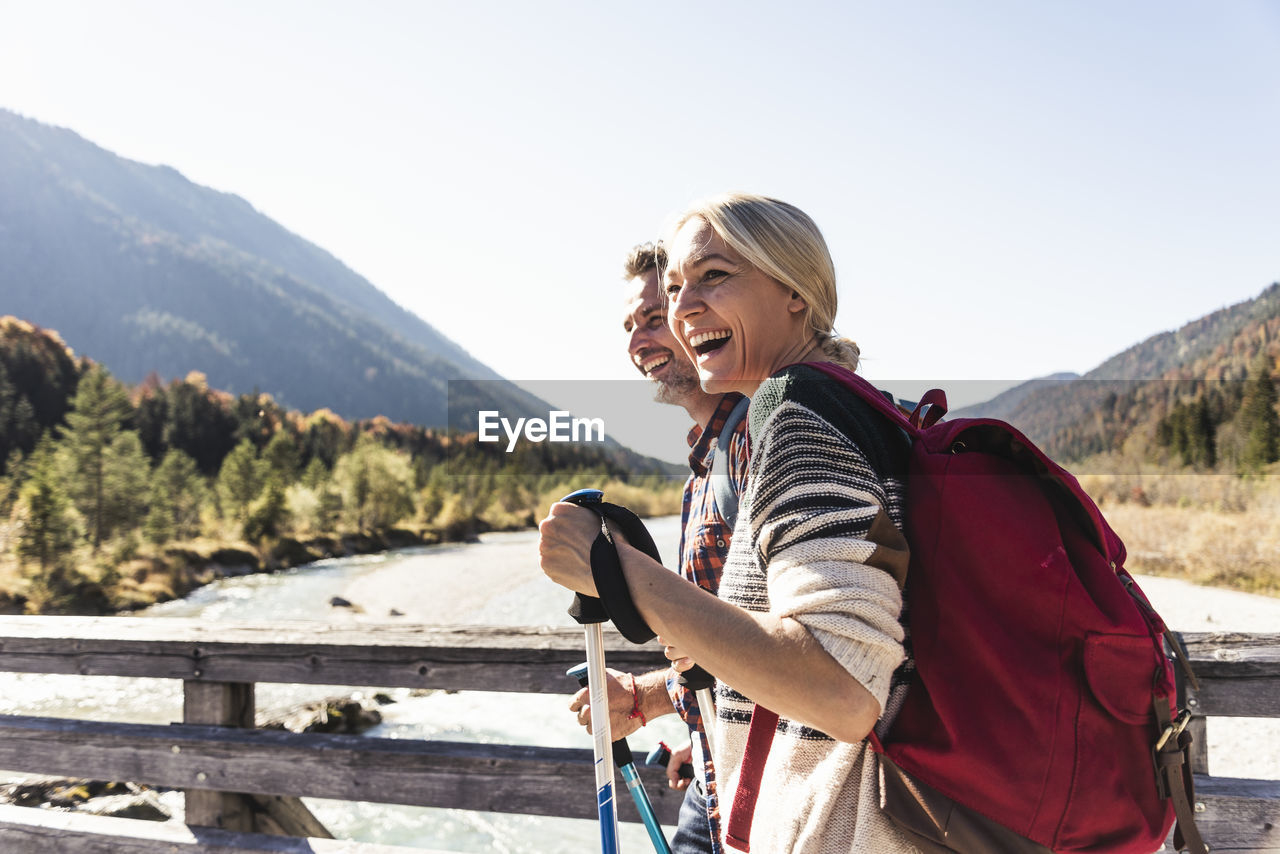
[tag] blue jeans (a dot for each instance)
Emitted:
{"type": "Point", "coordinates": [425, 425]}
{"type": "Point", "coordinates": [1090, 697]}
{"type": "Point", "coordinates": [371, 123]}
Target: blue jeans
{"type": "Point", "coordinates": [693, 836]}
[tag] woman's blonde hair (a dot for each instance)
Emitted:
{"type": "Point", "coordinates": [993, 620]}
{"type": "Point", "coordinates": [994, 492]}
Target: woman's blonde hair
{"type": "Point", "coordinates": [784, 243]}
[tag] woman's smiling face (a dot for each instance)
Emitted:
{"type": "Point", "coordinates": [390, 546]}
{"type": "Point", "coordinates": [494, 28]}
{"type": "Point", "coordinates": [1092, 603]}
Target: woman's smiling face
{"type": "Point", "coordinates": [737, 324]}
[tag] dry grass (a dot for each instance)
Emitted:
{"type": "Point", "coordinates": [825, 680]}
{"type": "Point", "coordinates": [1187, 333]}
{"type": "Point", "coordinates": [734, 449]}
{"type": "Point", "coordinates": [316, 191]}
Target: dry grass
{"type": "Point", "coordinates": [1219, 530]}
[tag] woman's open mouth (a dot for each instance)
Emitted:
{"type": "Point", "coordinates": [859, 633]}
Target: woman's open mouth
{"type": "Point", "coordinates": [709, 341]}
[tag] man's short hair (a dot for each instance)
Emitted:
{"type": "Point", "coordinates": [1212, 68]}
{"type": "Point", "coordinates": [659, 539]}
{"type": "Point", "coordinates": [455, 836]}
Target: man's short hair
{"type": "Point", "coordinates": [645, 257]}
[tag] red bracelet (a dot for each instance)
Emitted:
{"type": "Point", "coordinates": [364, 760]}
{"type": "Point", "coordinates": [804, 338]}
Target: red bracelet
{"type": "Point", "coordinates": [635, 703]}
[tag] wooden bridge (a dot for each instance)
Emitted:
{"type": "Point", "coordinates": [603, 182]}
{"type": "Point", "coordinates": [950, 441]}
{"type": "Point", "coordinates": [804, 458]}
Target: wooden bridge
{"type": "Point", "coordinates": [241, 783]}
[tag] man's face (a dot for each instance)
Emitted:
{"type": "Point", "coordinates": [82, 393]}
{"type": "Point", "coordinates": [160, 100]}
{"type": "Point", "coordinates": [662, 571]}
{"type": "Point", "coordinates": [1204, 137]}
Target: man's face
{"type": "Point", "coordinates": [653, 349]}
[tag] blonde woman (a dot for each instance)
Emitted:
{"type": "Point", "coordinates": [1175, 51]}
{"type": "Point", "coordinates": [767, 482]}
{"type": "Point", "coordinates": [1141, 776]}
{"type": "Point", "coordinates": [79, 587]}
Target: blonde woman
{"type": "Point", "coordinates": [807, 619]}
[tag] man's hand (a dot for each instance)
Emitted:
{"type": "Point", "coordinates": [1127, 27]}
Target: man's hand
{"type": "Point", "coordinates": [621, 705]}
{"type": "Point", "coordinates": [679, 756]}
{"type": "Point", "coordinates": [650, 690]}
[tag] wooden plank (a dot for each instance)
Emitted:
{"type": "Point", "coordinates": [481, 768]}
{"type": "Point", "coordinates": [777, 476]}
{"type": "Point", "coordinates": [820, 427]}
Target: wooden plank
{"type": "Point", "coordinates": [484, 777]}
{"type": "Point", "coordinates": [26, 830]}
{"type": "Point", "coordinates": [1239, 673]}
{"type": "Point", "coordinates": [466, 658]}
{"type": "Point", "coordinates": [218, 704]}
{"type": "Point", "coordinates": [1237, 815]}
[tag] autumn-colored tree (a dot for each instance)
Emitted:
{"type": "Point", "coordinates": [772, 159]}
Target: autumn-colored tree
{"type": "Point", "coordinates": [376, 485]}
{"type": "Point", "coordinates": [38, 376]}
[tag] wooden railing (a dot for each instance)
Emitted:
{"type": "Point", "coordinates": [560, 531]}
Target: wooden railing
{"type": "Point", "coordinates": [235, 776]}
{"type": "Point", "coordinates": [222, 763]}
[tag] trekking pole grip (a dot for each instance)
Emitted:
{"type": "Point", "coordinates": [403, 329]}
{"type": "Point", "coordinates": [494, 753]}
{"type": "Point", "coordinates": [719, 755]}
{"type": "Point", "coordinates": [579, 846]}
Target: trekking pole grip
{"type": "Point", "coordinates": [701, 682]}
{"type": "Point", "coordinates": [614, 600]}
{"type": "Point", "coordinates": [696, 679]}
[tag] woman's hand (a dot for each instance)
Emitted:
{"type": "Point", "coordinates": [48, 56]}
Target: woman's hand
{"type": "Point", "coordinates": [564, 546]}
{"type": "Point", "coordinates": [679, 661]}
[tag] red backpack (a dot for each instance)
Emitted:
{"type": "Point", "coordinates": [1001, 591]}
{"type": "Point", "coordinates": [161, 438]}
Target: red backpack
{"type": "Point", "coordinates": [1042, 715]}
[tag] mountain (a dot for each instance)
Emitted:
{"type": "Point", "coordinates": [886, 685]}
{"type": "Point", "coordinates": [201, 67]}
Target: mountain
{"type": "Point", "coordinates": [149, 272]}
{"type": "Point", "coordinates": [1006, 403]}
{"type": "Point", "coordinates": [1129, 394]}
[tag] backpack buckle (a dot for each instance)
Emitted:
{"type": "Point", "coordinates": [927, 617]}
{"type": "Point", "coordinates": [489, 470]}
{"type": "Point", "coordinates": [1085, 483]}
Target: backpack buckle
{"type": "Point", "coordinates": [1171, 758]}
{"type": "Point", "coordinates": [1173, 730]}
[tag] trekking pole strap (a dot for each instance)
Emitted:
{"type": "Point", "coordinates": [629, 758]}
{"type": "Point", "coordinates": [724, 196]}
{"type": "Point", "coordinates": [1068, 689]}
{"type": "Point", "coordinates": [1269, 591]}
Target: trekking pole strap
{"type": "Point", "coordinates": [615, 602]}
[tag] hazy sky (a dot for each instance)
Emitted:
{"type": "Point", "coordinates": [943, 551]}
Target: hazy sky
{"type": "Point", "coordinates": [1009, 188]}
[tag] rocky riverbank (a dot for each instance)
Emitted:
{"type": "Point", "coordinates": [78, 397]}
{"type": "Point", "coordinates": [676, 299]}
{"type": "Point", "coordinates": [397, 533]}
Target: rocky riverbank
{"type": "Point", "coordinates": [150, 576]}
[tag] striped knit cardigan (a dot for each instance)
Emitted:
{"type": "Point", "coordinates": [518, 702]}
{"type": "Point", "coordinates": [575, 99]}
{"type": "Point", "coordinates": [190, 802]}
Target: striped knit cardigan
{"type": "Point", "coordinates": [818, 539]}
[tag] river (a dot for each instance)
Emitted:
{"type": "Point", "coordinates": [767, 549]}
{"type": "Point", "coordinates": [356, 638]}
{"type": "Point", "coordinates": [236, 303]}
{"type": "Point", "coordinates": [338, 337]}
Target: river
{"type": "Point", "coordinates": [510, 591]}
{"type": "Point", "coordinates": [494, 582]}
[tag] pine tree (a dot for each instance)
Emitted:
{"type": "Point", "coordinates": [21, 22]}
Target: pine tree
{"type": "Point", "coordinates": [198, 424]}
{"type": "Point", "coordinates": [1196, 435]}
{"type": "Point", "coordinates": [177, 492]}
{"type": "Point", "coordinates": [98, 412]}
{"type": "Point", "coordinates": [1259, 421]}
{"type": "Point", "coordinates": [47, 525]}
{"type": "Point", "coordinates": [151, 416]}
{"type": "Point", "coordinates": [239, 481]}
{"type": "Point", "coordinates": [267, 513]}
{"type": "Point", "coordinates": [125, 483]}
{"type": "Point", "coordinates": [282, 457]}
{"type": "Point", "coordinates": [432, 496]}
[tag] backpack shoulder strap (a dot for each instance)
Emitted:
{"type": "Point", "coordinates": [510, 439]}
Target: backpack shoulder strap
{"type": "Point", "coordinates": [931, 408]}
{"type": "Point", "coordinates": [721, 484]}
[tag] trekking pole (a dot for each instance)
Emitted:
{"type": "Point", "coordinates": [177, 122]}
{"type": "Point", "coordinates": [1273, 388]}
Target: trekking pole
{"type": "Point", "coordinates": [700, 682]}
{"type": "Point", "coordinates": [614, 603]}
{"type": "Point", "coordinates": [590, 614]}
{"type": "Point", "coordinates": [626, 764]}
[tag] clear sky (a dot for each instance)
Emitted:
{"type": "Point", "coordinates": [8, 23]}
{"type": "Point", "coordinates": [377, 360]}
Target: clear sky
{"type": "Point", "coordinates": [1009, 188]}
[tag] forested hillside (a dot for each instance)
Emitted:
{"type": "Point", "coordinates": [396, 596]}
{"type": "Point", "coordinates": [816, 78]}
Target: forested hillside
{"type": "Point", "coordinates": [1196, 397]}
{"type": "Point", "coordinates": [151, 273]}
{"type": "Point", "coordinates": [114, 496]}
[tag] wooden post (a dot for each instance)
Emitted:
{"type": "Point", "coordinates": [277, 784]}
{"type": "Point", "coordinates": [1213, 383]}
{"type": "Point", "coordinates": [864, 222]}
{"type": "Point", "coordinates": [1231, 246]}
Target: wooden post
{"type": "Point", "coordinates": [218, 704]}
{"type": "Point", "coordinates": [1199, 729]}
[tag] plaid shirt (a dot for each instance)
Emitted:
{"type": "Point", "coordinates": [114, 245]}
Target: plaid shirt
{"type": "Point", "coordinates": [704, 543]}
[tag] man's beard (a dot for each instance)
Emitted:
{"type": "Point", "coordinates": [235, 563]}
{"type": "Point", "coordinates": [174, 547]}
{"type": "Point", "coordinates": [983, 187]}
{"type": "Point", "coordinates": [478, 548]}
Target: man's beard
{"type": "Point", "coordinates": [678, 385]}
